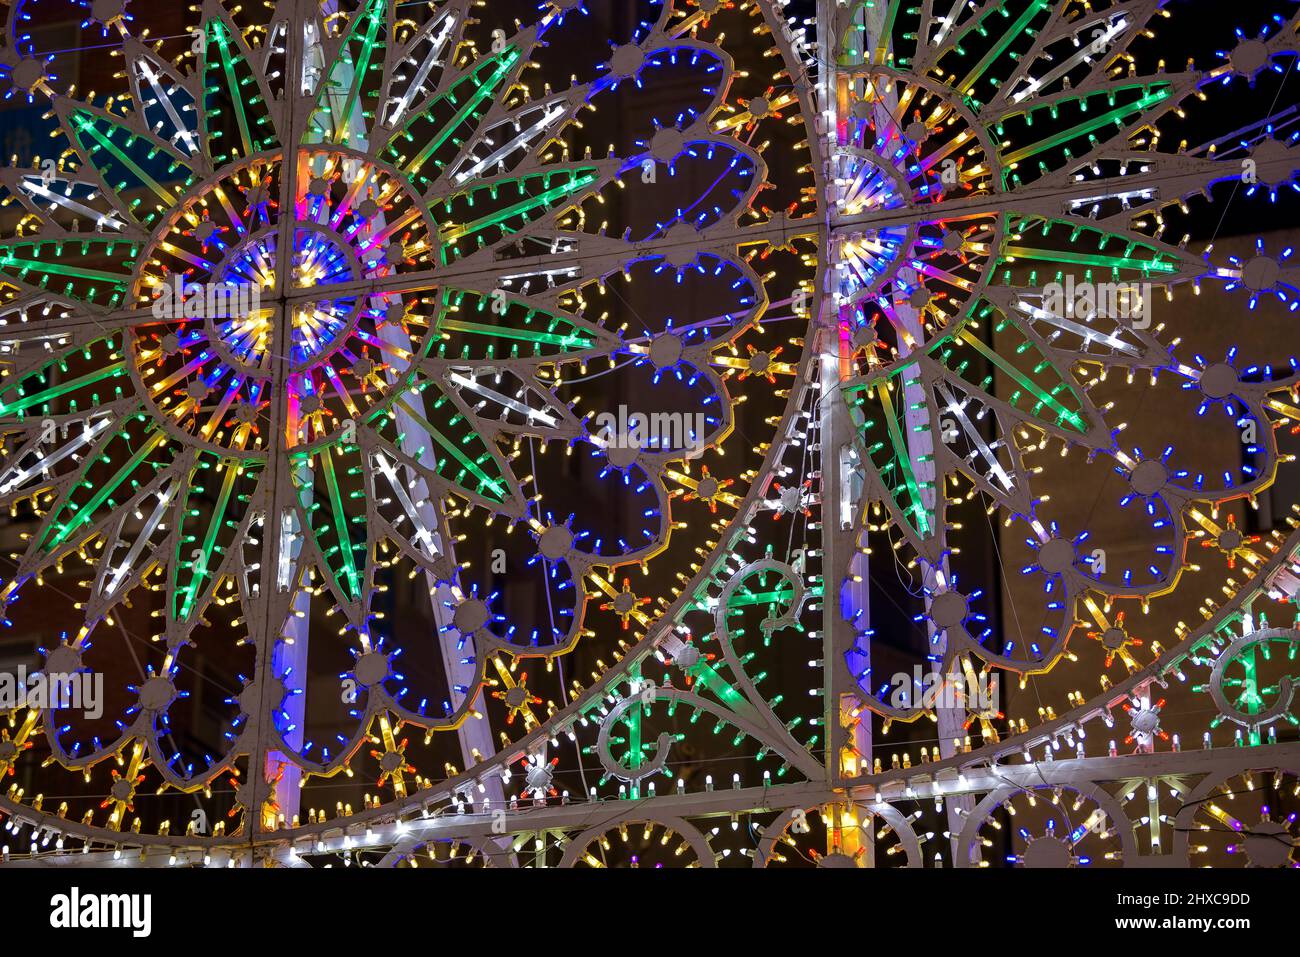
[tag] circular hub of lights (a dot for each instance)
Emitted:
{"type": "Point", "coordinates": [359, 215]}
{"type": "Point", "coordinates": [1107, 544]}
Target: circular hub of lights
{"type": "Point", "coordinates": [245, 294]}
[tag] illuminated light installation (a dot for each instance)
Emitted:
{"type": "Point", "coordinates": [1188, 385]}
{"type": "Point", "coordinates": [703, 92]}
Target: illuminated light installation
{"type": "Point", "coordinates": [311, 332]}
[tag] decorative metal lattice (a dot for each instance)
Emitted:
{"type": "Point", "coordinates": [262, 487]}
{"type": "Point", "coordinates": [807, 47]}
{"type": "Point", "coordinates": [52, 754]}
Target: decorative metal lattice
{"type": "Point", "coordinates": [559, 433]}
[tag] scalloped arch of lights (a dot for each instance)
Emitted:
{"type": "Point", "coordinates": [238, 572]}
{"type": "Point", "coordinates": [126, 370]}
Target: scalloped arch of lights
{"type": "Point", "coordinates": [539, 432]}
